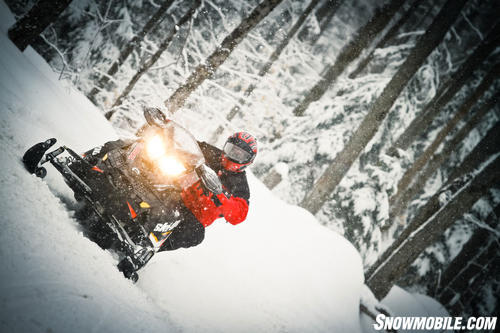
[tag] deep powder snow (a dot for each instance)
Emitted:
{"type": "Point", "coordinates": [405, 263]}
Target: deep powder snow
{"type": "Point", "coordinates": [278, 271]}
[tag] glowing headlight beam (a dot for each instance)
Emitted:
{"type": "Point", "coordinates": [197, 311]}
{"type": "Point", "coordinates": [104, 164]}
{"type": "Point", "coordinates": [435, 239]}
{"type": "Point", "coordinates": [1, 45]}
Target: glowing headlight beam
{"type": "Point", "coordinates": [170, 166]}
{"type": "Point", "coordinates": [155, 147]}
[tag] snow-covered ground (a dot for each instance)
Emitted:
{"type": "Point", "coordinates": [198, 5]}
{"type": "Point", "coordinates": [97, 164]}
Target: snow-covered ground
{"type": "Point", "coordinates": [279, 271]}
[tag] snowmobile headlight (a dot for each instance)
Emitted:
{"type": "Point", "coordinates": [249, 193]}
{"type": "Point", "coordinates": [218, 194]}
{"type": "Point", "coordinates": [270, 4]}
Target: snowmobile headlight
{"type": "Point", "coordinates": [170, 166]}
{"type": "Point", "coordinates": [155, 147]}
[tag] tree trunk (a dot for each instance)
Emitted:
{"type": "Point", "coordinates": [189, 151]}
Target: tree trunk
{"type": "Point", "coordinates": [324, 24]}
{"type": "Point", "coordinates": [388, 271]}
{"type": "Point", "coordinates": [34, 22]}
{"type": "Point", "coordinates": [474, 276]}
{"type": "Point", "coordinates": [472, 300]}
{"type": "Point", "coordinates": [447, 91]}
{"type": "Point", "coordinates": [325, 14]}
{"type": "Point", "coordinates": [279, 49]}
{"type": "Point", "coordinates": [421, 22]}
{"type": "Point", "coordinates": [488, 146]}
{"type": "Point", "coordinates": [388, 36]}
{"type": "Point", "coordinates": [272, 179]}
{"type": "Point", "coordinates": [217, 58]}
{"type": "Point", "coordinates": [267, 66]}
{"type": "Point", "coordinates": [378, 111]}
{"type": "Point", "coordinates": [154, 58]}
{"type": "Point", "coordinates": [401, 200]}
{"type": "Point", "coordinates": [324, 10]}
{"type": "Point", "coordinates": [412, 172]}
{"type": "Point", "coordinates": [459, 269]}
{"type": "Point", "coordinates": [364, 36]}
{"type": "Point", "coordinates": [131, 46]}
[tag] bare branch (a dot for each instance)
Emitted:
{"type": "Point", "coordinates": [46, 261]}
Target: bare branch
{"type": "Point", "coordinates": [59, 52]}
{"type": "Point", "coordinates": [473, 27]}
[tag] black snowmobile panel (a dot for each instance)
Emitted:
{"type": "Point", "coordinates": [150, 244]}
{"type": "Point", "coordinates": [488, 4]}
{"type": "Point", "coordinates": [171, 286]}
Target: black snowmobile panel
{"type": "Point", "coordinates": [124, 193]}
{"type": "Point", "coordinates": [32, 157]}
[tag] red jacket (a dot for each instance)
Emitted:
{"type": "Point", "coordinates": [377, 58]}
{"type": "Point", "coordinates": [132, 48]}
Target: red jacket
{"type": "Point", "coordinates": [206, 206]}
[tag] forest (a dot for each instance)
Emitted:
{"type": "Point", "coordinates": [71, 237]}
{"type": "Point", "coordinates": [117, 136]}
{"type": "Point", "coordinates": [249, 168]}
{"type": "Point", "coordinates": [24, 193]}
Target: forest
{"type": "Point", "coordinates": [381, 118]}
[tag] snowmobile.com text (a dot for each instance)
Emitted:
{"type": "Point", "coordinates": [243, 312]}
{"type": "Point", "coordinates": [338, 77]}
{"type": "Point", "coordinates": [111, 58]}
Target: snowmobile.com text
{"type": "Point", "coordinates": [434, 323]}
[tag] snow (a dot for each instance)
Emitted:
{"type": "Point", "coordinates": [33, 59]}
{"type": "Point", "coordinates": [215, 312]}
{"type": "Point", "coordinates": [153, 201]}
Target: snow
{"type": "Point", "coordinates": [280, 261]}
{"type": "Point", "coordinates": [278, 271]}
{"type": "Point", "coordinates": [408, 304]}
{"type": "Point", "coordinates": [363, 200]}
{"type": "Point", "coordinates": [423, 306]}
{"type": "Point", "coordinates": [400, 303]}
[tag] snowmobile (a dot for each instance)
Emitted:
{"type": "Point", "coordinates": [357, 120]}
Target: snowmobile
{"type": "Point", "coordinates": [130, 191]}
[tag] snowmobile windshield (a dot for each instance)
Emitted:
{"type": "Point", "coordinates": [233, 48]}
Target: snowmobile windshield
{"type": "Point", "coordinates": [169, 156]}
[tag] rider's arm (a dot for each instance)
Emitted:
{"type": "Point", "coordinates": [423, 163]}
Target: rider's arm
{"type": "Point", "coordinates": [234, 209]}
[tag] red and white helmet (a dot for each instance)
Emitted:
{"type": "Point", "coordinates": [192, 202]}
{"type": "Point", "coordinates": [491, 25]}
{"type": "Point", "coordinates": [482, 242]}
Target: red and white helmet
{"type": "Point", "coordinates": [239, 151]}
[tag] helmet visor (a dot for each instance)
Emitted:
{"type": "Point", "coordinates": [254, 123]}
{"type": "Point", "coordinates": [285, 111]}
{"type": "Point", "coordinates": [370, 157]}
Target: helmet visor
{"type": "Point", "coordinates": [236, 154]}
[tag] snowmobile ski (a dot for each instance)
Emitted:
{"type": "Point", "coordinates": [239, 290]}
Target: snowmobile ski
{"type": "Point", "coordinates": [33, 157]}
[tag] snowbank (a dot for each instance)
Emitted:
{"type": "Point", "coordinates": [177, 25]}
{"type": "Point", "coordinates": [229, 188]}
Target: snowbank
{"type": "Point", "coordinates": [400, 303]}
{"type": "Point", "coordinates": [404, 303]}
{"type": "Point", "coordinates": [279, 271]}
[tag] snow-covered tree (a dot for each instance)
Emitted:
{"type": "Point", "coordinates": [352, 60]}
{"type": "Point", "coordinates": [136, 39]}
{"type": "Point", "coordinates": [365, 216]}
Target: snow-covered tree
{"type": "Point", "coordinates": [34, 22]}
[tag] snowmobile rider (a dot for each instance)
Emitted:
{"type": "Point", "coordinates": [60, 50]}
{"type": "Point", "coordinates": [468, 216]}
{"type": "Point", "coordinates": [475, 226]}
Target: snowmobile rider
{"type": "Point", "coordinates": [107, 177]}
{"type": "Point", "coordinates": [198, 207]}
{"type": "Point", "coordinates": [202, 207]}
